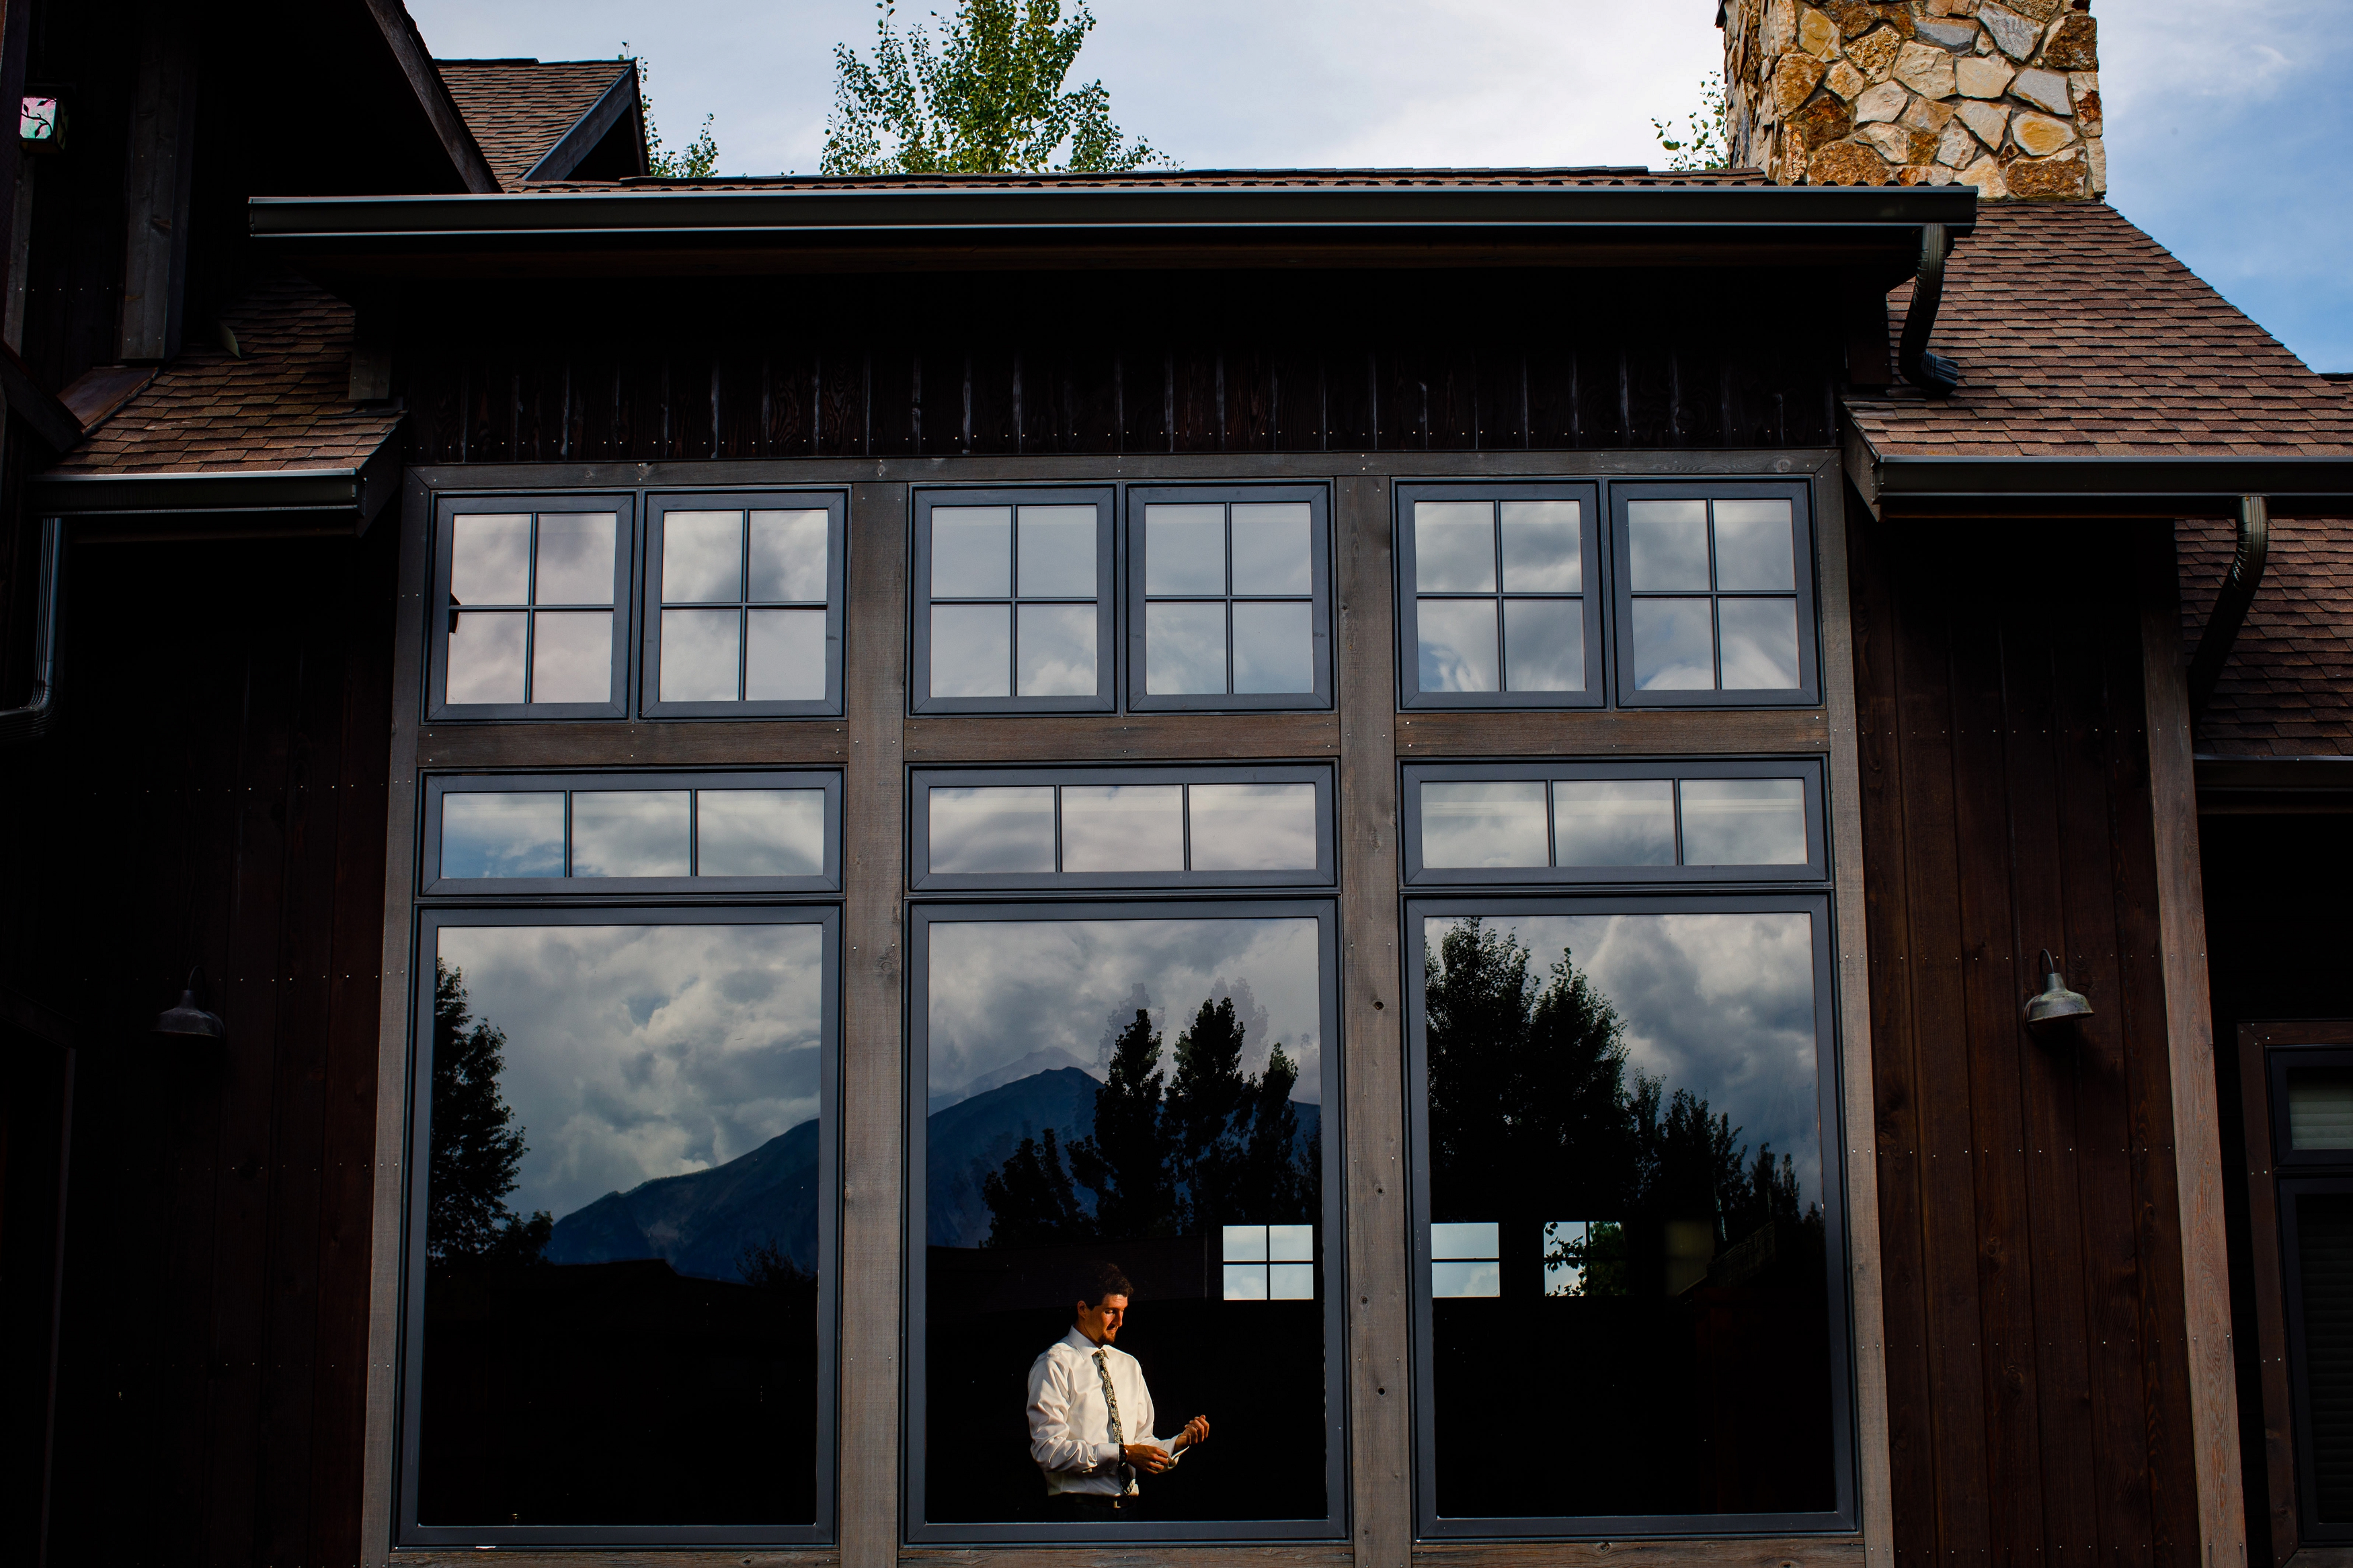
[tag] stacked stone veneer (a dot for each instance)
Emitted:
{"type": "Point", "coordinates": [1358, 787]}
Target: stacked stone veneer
{"type": "Point", "coordinates": [2003, 96]}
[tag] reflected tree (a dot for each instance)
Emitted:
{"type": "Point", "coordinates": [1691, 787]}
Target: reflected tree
{"type": "Point", "coordinates": [1125, 1158]}
{"type": "Point", "coordinates": [477, 1145]}
{"type": "Point", "coordinates": [1030, 1199]}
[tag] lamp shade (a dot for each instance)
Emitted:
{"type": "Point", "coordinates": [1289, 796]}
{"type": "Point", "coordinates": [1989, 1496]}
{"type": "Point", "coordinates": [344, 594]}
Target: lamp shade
{"type": "Point", "coordinates": [2056, 1004]}
{"type": "Point", "coordinates": [189, 1021]}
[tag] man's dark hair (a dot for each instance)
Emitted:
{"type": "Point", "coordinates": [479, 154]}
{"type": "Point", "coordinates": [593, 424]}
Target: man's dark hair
{"type": "Point", "coordinates": [1097, 1281]}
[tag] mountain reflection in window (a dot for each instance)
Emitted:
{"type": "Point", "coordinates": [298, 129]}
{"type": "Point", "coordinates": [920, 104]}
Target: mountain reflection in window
{"type": "Point", "coordinates": [1146, 1092]}
{"type": "Point", "coordinates": [1657, 1073]}
{"type": "Point", "coordinates": [621, 1235]}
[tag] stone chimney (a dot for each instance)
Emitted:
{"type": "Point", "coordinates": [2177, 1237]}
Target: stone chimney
{"type": "Point", "coordinates": [2000, 94]}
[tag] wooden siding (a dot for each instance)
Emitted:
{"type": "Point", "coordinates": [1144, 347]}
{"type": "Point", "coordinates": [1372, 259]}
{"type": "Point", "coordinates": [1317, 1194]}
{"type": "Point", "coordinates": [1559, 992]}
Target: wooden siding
{"type": "Point", "coordinates": [1085, 363]}
{"type": "Point", "coordinates": [214, 794]}
{"type": "Point", "coordinates": [2037, 1377]}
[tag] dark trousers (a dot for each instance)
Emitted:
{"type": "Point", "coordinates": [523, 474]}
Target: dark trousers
{"type": "Point", "coordinates": [1093, 1507]}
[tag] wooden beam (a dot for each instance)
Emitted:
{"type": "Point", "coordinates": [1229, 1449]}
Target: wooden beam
{"type": "Point", "coordinates": [1608, 732]}
{"type": "Point", "coordinates": [406, 47]}
{"type": "Point", "coordinates": [1798, 1552]}
{"type": "Point", "coordinates": [16, 38]}
{"type": "Point", "coordinates": [644, 743]}
{"type": "Point", "coordinates": [2189, 1034]}
{"type": "Point", "coordinates": [1122, 738]}
{"type": "Point", "coordinates": [159, 173]}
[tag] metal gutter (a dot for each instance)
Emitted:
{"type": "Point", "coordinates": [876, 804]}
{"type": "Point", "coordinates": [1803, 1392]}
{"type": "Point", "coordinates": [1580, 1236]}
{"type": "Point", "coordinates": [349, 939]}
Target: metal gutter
{"type": "Point", "coordinates": [1932, 372]}
{"type": "Point", "coordinates": [2113, 485]}
{"type": "Point", "coordinates": [359, 492]}
{"type": "Point", "coordinates": [2231, 604]}
{"type": "Point", "coordinates": [31, 722]}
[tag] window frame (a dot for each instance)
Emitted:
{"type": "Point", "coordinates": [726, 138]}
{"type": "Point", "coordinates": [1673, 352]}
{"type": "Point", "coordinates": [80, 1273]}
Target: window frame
{"type": "Point", "coordinates": [2278, 1061]}
{"type": "Point", "coordinates": [658, 503]}
{"type": "Point", "coordinates": [1846, 1518]}
{"type": "Point", "coordinates": [1807, 692]}
{"type": "Point", "coordinates": [924, 500]}
{"type": "Point", "coordinates": [1815, 869]}
{"type": "Point", "coordinates": [431, 884]}
{"type": "Point", "coordinates": [915, 1324]}
{"type": "Point", "coordinates": [922, 879]}
{"type": "Point", "coordinates": [1597, 579]}
{"type": "Point", "coordinates": [1318, 498]}
{"type": "Point", "coordinates": [408, 1530]}
{"type": "Point", "coordinates": [447, 506]}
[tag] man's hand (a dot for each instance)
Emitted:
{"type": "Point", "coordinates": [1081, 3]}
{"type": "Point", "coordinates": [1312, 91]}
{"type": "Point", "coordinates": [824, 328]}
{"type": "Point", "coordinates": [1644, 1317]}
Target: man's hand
{"type": "Point", "coordinates": [1195, 1433]}
{"type": "Point", "coordinates": [1146, 1457]}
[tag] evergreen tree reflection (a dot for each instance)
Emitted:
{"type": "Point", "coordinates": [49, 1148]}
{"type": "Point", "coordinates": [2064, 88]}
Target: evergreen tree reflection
{"type": "Point", "coordinates": [477, 1145]}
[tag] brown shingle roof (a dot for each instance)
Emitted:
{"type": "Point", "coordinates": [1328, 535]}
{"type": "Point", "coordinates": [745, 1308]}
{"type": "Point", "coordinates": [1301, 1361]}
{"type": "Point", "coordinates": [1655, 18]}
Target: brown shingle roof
{"type": "Point", "coordinates": [283, 405]}
{"type": "Point", "coordinates": [2080, 336]}
{"type": "Point", "coordinates": [2287, 690]}
{"type": "Point", "coordinates": [518, 108]}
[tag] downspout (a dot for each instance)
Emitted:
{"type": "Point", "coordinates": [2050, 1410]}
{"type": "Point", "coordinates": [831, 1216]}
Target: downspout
{"type": "Point", "coordinates": [2239, 585]}
{"type": "Point", "coordinates": [30, 722]}
{"type": "Point", "coordinates": [1932, 373]}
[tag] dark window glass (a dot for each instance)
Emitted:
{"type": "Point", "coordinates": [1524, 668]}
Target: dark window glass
{"type": "Point", "coordinates": [1627, 1195]}
{"type": "Point", "coordinates": [1142, 1088]}
{"type": "Point", "coordinates": [2319, 1234]}
{"type": "Point", "coordinates": [621, 1280]}
{"type": "Point", "coordinates": [1013, 590]}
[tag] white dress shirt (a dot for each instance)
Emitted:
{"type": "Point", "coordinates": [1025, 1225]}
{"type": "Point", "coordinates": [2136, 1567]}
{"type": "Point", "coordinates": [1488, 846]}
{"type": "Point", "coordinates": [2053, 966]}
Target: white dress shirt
{"type": "Point", "coordinates": [1070, 1423]}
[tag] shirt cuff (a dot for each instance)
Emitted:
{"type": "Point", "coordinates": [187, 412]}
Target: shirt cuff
{"type": "Point", "coordinates": [1110, 1455]}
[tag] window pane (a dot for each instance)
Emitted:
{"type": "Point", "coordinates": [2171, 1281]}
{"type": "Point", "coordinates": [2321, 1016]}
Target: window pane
{"type": "Point", "coordinates": [1613, 822]}
{"type": "Point", "coordinates": [1242, 1243]}
{"type": "Point", "coordinates": [2324, 1234]}
{"type": "Point", "coordinates": [1059, 650]}
{"type": "Point", "coordinates": [1274, 646]}
{"type": "Point", "coordinates": [1458, 644]}
{"type": "Point", "coordinates": [576, 559]}
{"type": "Point", "coordinates": [784, 658]}
{"type": "Point", "coordinates": [1290, 1282]}
{"type": "Point", "coordinates": [992, 829]}
{"type": "Point", "coordinates": [1454, 546]}
{"type": "Point", "coordinates": [702, 557]}
{"type": "Point", "coordinates": [1668, 540]}
{"type": "Point", "coordinates": [1486, 823]}
{"type": "Point", "coordinates": [972, 650]}
{"type": "Point", "coordinates": [1544, 551]}
{"type": "Point", "coordinates": [1755, 546]}
{"type": "Point", "coordinates": [1544, 645]}
{"type": "Point", "coordinates": [1271, 549]}
{"type": "Point", "coordinates": [972, 553]}
{"type": "Point", "coordinates": [2319, 1107]}
{"type": "Point", "coordinates": [1659, 1069]}
{"type": "Point", "coordinates": [1123, 827]}
{"type": "Point", "coordinates": [629, 833]}
{"type": "Point", "coordinates": [1058, 551]}
{"type": "Point", "coordinates": [698, 655]}
{"type": "Point", "coordinates": [628, 1337]}
{"type": "Point", "coordinates": [1760, 642]}
{"type": "Point", "coordinates": [1291, 1242]}
{"type": "Point", "coordinates": [1671, 651]}
{"type": "Point", "coordinates": [1744, 822]}
{"type": "Point", "coordinates": [1184, 549]}
{"type": "Point", "coordinates": [788, 557]}
{"type": "Point", "coordinates": [1253, 827]}
{"type": "Point", "coordinates": [486, 655]}
{"type": "Point", "coordinates": [1184, 649]}
{"type": "Point", "coordinates": [502, 835]}
{"type": "Point", "coordinates": [489, 558]}
{"type": "Point", "coordinates": [1448, 1281]}
{"type": "Point", "coordinates": [1461, 1238]}
{"type": "Point", "coordinates": [759, 833]}
{"type": "Point", "coordinates": [1075, 1025]}
{"type": "Point", "coordinates": [572, 656]}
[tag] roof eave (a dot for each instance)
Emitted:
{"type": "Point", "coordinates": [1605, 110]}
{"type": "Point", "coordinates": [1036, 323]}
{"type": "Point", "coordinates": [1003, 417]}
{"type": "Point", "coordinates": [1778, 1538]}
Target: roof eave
{"type": "Point", "coordinates": [2123, 485]}
{"type": "Point", "coordinates": [312, 499]}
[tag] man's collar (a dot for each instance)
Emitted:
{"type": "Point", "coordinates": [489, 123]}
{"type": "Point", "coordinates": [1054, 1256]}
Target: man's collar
{"type": "Point", "coordinates": [1081, 1343]}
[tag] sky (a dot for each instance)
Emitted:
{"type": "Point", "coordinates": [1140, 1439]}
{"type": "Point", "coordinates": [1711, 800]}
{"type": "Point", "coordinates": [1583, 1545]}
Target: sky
{"type": "Point", "coordinates": [2225, 141]}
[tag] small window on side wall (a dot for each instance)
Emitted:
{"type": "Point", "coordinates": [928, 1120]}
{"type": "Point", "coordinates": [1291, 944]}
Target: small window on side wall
{"type": "Point", "coordinates": [744, 595]}
{"type": "Point", "coordinates": [533, 597]}
{"type": "Point", "coordinates": [1714, 596]}
{"type": "Point", "coordinates": [1229, 598]}
{"type": "Point", "coordinates": [1013, 602]}
{"type": "Point", "coordinates": [1499, 595]}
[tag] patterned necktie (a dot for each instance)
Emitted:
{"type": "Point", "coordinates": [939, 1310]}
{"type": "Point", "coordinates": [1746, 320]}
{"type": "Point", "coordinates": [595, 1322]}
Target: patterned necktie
{"type": "Point", "coordinates": [1118, 1437]}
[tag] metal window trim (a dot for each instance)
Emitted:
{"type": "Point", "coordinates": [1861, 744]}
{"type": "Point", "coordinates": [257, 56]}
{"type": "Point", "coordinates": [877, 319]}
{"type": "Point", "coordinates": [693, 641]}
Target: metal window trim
{"type": "Point", "coordinates": [1317, 494]}
{"type": "Point", "coordinates": [1105, 497]}
{"type": "Point", "coordinates": [408, 1530]}
{"type": "Point", "coordinates": [1846, 1518]}
{"type": "Point", "coordinates": [1334, 1524]}
{"type": "Point", "coordinates": [835, 499]}
{"type": "Point", "coordinates": [430, 884]}
{"type": "Point", "coordinates": [2312, 1529]}
{"type": "Point", "coordinates": [1586, 490]}
{"type": "Point", "coordinates": [446, 507]}
{"type": "Point", "coordinates": [1799, 490]}
{"type": "Point", "coordinates": [920, 878]}
{"type": "Point", "coordinates": [1809, 767]}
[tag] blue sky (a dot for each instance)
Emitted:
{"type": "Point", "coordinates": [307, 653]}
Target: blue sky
{"type": "Point", "coordinates": [2227, 125]}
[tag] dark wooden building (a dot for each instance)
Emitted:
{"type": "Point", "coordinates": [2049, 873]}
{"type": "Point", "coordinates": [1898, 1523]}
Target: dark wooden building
{"type": "Point", "coordinates": [705, 741]}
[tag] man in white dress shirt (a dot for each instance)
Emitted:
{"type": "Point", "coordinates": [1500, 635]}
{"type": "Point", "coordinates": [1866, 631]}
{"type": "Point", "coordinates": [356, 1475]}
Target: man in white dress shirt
{"type": "Point", "coordinates": [1091, 1415]}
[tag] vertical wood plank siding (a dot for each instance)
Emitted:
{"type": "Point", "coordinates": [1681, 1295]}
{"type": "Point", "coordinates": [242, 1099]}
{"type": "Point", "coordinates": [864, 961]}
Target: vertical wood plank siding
{"type": "Point", "coordinates": [949, 366]}
{"type": "Point", "coordinates": [214, 795]}
{"type": "Point", "coordinates": [2038, 1394]}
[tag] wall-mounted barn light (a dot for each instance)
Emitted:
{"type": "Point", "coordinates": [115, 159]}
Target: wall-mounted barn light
{"type": "Point", "coordinates": [189, 1021]}
{"type": "Point", "coordinates": [2050, 1011]}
